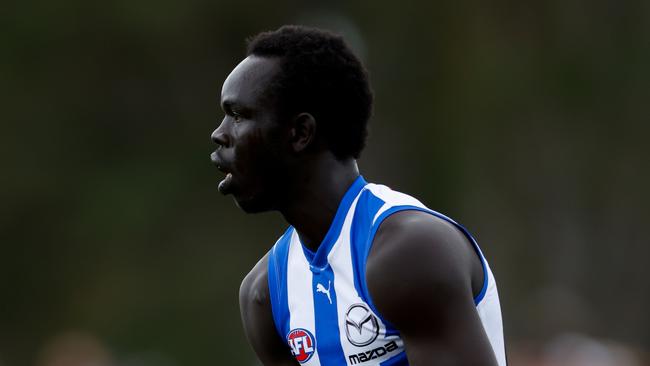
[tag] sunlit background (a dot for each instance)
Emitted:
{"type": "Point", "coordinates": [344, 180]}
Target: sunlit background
{"type": "Point", "coordinates": [525, 121]}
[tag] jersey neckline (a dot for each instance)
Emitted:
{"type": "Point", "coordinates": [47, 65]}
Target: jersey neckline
{"type": "Point", "coordinates": [318, 260]}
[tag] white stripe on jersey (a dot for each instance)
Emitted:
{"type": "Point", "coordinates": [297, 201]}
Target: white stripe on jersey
{"type": "Point", "coordinates": [299, 280]}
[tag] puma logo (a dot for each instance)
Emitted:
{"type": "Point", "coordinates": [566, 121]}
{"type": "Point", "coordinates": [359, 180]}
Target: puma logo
{"type": "Point", "coordinates": [321, 288]}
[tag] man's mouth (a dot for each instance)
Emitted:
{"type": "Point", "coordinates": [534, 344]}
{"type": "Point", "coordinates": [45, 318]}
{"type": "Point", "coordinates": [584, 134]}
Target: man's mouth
{"type": "Point", "coordinates": [226, 183]}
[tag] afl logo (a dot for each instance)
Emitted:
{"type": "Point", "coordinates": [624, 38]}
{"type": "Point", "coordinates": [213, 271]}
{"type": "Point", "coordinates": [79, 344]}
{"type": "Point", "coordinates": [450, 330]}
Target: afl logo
{"type": "Point", "coordinates": [361, 325]}
{"type": "Point", "coordinates": [302, 343]}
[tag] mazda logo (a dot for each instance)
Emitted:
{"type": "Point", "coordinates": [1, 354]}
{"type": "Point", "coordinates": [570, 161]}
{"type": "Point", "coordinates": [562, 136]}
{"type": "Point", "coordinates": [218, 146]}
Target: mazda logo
{"type": "Point", "coordinates": [361, 325]}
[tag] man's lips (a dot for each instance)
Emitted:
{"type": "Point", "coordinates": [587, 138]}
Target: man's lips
{"type": "Point", "coordinates": [225, 184]}
{"type": "Point", "coordinates": [219, 162]}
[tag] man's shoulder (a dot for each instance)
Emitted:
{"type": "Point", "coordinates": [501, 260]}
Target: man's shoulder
{"type": "Point", "coordinates": [419, 234]}
{"type": "Point", "coordinates": [408, 233]}
{"type": "Point", "coordinates": [420, 248]}
{"type": "Point", "coordinates": [254, 287]}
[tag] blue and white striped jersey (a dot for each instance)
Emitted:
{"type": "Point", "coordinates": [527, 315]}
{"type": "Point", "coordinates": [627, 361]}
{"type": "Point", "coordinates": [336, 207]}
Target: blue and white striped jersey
{"type": "Point", "coordinates": [320, 301]}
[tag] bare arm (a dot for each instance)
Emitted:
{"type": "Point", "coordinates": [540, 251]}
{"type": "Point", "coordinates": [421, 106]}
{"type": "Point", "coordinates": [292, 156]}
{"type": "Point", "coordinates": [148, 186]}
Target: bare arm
{"type": "Point", "coordinates": [428, 295]}
{"type": "Point", "coordinates": [257, 318]}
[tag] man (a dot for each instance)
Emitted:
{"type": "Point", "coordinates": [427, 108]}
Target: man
{"type": "Point", "coordinates": [364, 275]}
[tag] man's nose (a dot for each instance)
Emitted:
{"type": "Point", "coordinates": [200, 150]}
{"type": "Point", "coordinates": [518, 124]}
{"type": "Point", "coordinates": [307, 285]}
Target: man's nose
{"type": "Point", "coordinates": [220, 137]}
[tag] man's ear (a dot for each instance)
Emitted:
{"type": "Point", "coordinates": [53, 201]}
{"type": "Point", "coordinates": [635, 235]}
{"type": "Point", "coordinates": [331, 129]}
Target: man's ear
{"type": "Point", "coordinates": [303, 131]}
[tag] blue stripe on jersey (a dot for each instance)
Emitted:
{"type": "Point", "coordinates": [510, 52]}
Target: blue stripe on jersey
{"type": "Point", "coordinates": [399, 360]}
{"type": "Point", "coordinates": [308, 253]}
{"type": "Point", "coordinates": [395, 209]}
{"type": "Point", "coordinates": [367, 207]}
{"type": "Point", "coordinates": [319, 261]}
{"type": "Point", "coordinates": [277, 276]}
{"type": "Point", "coordinates": [328, 338]}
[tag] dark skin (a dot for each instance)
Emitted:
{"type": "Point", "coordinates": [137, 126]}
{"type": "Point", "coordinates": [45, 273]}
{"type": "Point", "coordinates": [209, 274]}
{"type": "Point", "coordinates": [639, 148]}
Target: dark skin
{"type": "Point", "coordinates": [284, 166]}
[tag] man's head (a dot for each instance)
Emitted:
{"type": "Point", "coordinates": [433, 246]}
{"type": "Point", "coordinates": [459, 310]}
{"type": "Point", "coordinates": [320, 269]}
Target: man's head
{"type": "Point", "coordinates": [299, 93]}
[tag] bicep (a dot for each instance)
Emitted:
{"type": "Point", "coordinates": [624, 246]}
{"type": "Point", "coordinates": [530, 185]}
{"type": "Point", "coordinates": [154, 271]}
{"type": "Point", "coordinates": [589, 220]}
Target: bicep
{"type": "Point", "coordinates": [452, 336]}
{"type": "Point", "coordinates": [428, 294]}
{"type": "Point", "coordinates": [257, 319]}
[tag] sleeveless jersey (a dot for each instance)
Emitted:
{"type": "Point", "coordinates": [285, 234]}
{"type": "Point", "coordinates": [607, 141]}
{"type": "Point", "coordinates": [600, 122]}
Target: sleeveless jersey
{"type": "Point", "coordinates": [320, 301]}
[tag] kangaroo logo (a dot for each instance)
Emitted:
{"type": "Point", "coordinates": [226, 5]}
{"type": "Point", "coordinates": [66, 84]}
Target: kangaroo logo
{"type": "Point", "coordinates": [321, 288]}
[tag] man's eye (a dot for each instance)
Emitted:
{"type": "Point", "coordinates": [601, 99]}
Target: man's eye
{"type": "Point", "coordinates": [237, 117]}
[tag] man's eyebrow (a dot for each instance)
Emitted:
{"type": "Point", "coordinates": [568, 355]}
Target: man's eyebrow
{"type": "Point", "coordinates": [227, 105]}
{"type": "Point", "coordinates": [231, 106]}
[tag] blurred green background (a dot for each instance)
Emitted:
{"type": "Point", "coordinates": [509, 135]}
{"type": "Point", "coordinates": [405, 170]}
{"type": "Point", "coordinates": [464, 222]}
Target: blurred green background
{"type": "Point", "coordinates": [525, 121]}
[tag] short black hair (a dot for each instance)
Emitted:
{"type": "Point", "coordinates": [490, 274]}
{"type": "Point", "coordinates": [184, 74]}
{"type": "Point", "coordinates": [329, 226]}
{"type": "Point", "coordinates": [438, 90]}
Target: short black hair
{"type": "Point", "coordinates": [320, 75]}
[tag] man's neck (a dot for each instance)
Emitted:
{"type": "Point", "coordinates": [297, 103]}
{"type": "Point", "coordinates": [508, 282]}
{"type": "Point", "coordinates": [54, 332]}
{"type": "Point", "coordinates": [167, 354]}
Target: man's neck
{"type": "Point", "coordinates": [316, 195]}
